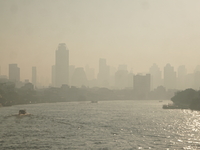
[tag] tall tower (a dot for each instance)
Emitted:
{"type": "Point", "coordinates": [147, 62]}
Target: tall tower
{"type": "Point", "coordinates": [181, 78]}
{"type": "Point", "coordinates": [62, 65]}
{"type": "Point", "coordinates": [156, 76]}
{"type": "Point", "coordinates": [14, 73]}
{"type": "Point", "coordinates": [103, 75]}
{"type": "Point", "coordinates": [34, 76]}
{"type": "Point", "coordinates": [169, 77]}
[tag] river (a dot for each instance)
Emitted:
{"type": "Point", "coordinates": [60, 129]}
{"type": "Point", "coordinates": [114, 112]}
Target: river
{"type": "Point", "coordinates": [106, 125]}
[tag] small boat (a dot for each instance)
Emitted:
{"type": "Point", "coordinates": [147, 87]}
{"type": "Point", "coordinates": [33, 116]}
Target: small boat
{"type": "Point", "coordinates": [171, 106]}
{"type": "Point", "coordinates": [22, 112]}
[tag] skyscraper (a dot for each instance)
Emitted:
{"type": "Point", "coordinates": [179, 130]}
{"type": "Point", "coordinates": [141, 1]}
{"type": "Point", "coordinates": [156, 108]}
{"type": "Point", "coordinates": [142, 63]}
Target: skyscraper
{"type": "Point", "coordinates": [79, 78]}
{"type": "Point", "coordinates": [181, 78]}
{"type": "Point", "coordinates": [103, 75]}
{"type": "Point", "coordinates": [141, 85]}
{"type": "Point", "coordinates": [71, 72]}
{"type": "Point", "coordinates": [197, 78]}
{"type": "Point", "coordinates": [156, 79]}
{"type": "Point", "coordinates": [34, 76]}
{"type": "Point", "coordinates": [62, 65]}
{"type": "Point", "coordinates": [121, 77]}
{"type": "Point", "coordinates": [169, 77]}
{"type": "Point", "coordinates": [14, 73]}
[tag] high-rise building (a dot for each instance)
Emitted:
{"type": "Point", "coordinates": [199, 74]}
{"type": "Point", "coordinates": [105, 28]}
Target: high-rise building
{"type": "Point", "coordinates": [14, 73]}
{"type": "Point", "coordinates": [156, 76]}
{"type": "Point", "coordinates": [71, 72]}
{"type": "Point", "coordinates": [121, 77]}
{"type": "Point", "coordinates": [169, 77]}
{"type": "Point", "coordinates": [112, 72]}
{"type": "Point", "coordinates": [89, 72]}
{"type": "Point", "coordinates": [142, 85]}
{"type": "Point", "coordinates": [189, 81]}
{"type": "Point", "coordinates": [79, 78]}
{"type": "Point", "coordinates": [181, 77]}
{"type": "Point", "coordinates": [197, 78]}
{"type": "Point", "coordinates": [34, 76]}
{"type": "Point", "coordinates": [103, 75]}
{"type": "Point", "coordinates": [62, 65]}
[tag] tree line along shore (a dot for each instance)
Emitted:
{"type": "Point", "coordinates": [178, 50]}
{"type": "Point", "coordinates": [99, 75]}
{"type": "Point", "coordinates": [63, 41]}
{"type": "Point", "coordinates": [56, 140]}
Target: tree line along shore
{"type": "Point", "coordinates": [27, 94]}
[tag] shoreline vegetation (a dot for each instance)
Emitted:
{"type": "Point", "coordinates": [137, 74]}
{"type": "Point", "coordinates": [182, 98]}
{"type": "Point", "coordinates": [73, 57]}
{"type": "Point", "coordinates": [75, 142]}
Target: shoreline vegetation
{"type": "Point", "coordinates": [27, 94]}
{"type": "Point", "coordinates": [187, 99]}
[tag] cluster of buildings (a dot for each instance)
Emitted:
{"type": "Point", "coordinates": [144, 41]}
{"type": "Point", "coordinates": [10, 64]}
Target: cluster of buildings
{"type": "Point", "coordinates": [111, 77]}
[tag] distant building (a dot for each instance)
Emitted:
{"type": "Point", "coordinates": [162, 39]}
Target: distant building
{"type": "Point", "coordinates": [189, 80]}
{"type": "Point", "coordinates": [79, 78]}
{"type": "Point", "coordinates": [103, 75]}
{"type": "Point", "coordinates": [121, 77]}
{"type": "Point", "coordinates": [3, 77]}
{"type": "Point", "coordinates": [156, 76]}
{"type": "Point", "coordinates": [130, 80]}
{"type": "Point", "coordinates": [62, 65]}
{"type": "Point", "coordinates": [71, 72]}
{"type": "Point", "coordinates": [14, 73]}
{"type": "Point", "coordinates": [142, 84]}
{"type": "Point", "coordinates": [169, 77]}
{"type": "Point", "coordinates": [197, 78]}
{"type": "Point", "coordinates": [90, 72]}
{"type": "Point", "coordinates": [181, 78]}
{"type": "Point", "coordinates": [34, 76]}
{"type": "Point", "coordinates": [112, 72]}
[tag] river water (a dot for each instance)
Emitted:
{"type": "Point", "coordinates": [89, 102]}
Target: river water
{"type": "Point", "coordinates": [106, 125]}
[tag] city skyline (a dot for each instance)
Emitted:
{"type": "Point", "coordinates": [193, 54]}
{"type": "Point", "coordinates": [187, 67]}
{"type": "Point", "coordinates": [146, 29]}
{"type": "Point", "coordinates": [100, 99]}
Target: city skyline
{"type": "Point", "coordinates": [136, 33]}
{"type": "Point", "coordinates": [120, 78]}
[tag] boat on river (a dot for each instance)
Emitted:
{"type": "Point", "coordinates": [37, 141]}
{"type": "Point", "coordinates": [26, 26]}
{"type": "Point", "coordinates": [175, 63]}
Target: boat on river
{"type": "Point", "coordinates": [173, 106]}
{"type": "Point", "coordinates": [22, 112]}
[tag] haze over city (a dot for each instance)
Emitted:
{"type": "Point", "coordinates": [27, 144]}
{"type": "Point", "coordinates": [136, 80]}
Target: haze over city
{"type": "Point", "coordinates": [135, 33]}
{"type": "Point", "coordinates": [99, 74]}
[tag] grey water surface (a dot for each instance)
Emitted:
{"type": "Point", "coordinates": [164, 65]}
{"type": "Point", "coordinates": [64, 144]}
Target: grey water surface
{"type": "Point", "coordinates": [105, 125]}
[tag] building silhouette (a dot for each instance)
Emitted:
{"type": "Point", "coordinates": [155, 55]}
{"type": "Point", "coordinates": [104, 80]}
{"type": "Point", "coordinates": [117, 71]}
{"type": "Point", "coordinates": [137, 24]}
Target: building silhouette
{"type": "Point", "coordinates": [142, 85]}
{"type": "Point", "coordinates": [189, 80]}
{"type": "Point", "coordinates": [34, 76]}
{"type": "Point", "coordinates": [62, 65]}
{"type": "Point", "coordinates": [121, 77]}
{"type": "Point", "coordinates": [181, 78]}
{"type": "Point", "coordinates": [197, 78]}
{"type": "Point", "coordinates": [156, 76]}
{"type": "Point", "coordinates": [90, 72]}
{"type": "Point", "coordinates": [71, 72]}
{"type": "Point", "coordinates": [14, 73]}
{"type": "Point", "coordinates": [103, 75]}
{"type": "Point", "coordinates": [169, 77]}
{"type": "Point", "coordinates": [79, 78]}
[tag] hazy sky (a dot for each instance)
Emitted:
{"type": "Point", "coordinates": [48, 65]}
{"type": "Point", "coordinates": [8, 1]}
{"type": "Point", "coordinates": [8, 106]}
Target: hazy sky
{"type": "Point", "coordinates": [133, 32]}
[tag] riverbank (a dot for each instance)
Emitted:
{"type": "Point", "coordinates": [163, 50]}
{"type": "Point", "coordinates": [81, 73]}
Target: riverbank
{"type": "Point", "coordinates": [187, 99]}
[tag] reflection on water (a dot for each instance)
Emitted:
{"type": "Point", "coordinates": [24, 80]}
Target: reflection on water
{"type": "Point", "coordinates": [104, 125]}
